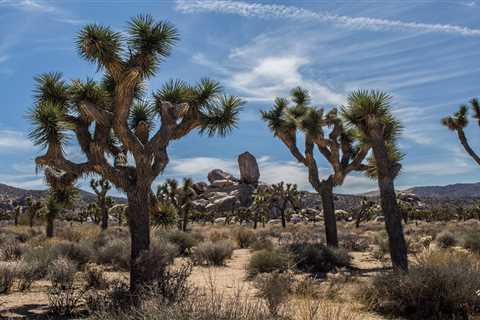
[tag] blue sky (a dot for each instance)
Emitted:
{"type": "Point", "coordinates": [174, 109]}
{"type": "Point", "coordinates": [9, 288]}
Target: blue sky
{"type": "Point", "coordinates": [425, 53]}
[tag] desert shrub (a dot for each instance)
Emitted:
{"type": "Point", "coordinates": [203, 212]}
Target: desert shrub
{"type": "Point", "coordinates": [317, 258]}
{"type": "Point", "coordinates": [262, 244]}
{"type": "Point", "coordinates": [382, 246]}
{"type": "Point", "coordinates": [266, 261]}
{"type": "Point", "coordinates": [62, 272]}
{"type": "Point", "coordinates": [213, 253]}
{"type": "Point", "coordinates": [94, 277]}
{"type": "Point", "coordinates": [63, 299]}
{"type": "Point", "coordinates": [111, 302]}
{"type": "Point", "coordinates": [12, 250]}
{"type": "Point", "coordinates": [115, 253]}
{"type": "Point", "coordinates": [441, 285]}
{"type": "Point", "coordinates": [471, 241]}
{"type": "Point", "coordinates": [198, 305]}
{"type": "Point", "coordinates": [69, 234]}
{"type": "Point", "coordinates": [26, 275]}
{"type": "Point", "coordinates": [78, 252]}
{"type": "Point", "coordinates": [354, 242]}
{"type": "Point", "coordinates": [244, 237]}
{"type": "Point", "coordinates": [184, 240]}
{"type": "Point", "coordinates": [218, 235]}
{"type": "Point", "coordinates": [274, 288]}
{"type": "Point", "coordinates": [445, 239]}
{"type": "Point", "coordinates": [39, 258]}
{"type": "Point", "coordinates": [7, 277]}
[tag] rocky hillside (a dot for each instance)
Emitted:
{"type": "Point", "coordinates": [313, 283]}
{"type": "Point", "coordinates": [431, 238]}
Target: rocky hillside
{"type": "Point", "coordinates": [9, 195]}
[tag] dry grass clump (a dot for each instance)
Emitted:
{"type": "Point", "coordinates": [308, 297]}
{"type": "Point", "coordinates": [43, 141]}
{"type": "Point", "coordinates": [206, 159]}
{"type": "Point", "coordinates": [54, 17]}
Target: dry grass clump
{"type": "Point", "coordinates": [445, 239]}
{"type": "Point", "coordinates": [275, 288]}
{"type": "Point", "coordinates": [441, 285]}
{"type": "Point", "coordinates": [244, 237]}
{"type": "Point", "coordinates": [7, 277]}
{"type": "Point", "coordinates": [213, 253]}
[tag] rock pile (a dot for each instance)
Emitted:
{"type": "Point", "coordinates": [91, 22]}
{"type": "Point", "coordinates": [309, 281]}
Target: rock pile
{"type": "Point", "coordinates": [224, 192]}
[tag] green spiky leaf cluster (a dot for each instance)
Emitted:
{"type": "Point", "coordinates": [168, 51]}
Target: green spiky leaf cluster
{"type": "Point", "coordinates": [370, 112]}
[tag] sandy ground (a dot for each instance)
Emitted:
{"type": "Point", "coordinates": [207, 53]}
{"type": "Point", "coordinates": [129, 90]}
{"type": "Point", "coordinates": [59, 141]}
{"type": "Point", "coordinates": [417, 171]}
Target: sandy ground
{"type": "Point", "coordinates": [229, 280]}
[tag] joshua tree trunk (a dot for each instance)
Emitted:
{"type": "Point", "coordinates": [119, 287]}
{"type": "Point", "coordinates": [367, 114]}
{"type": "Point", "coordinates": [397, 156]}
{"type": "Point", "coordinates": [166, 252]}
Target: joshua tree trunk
{"type": "Point", "coordinates": [104, 208]}
{"type": "Point", "coordinates": [50, 223]}
{"type": "Point", "coordinates": [326, 192]}
{"type": "Point", "coordinates": [139, 223]}
{"type": "Point", "coordinates": [185, 220]}
{"type": "Point", "coordinates": [30, 220]}
{"type": "Point", "coordinates": [284, 220]}
{"type": "Point", "coordinates": [393, 218]}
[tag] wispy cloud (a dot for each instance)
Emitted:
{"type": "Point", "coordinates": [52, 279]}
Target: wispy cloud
{"type": "Point", "coordinates": [14, 141]}
{"type": "Point", "coordinates": [28, 5]}
{"type": "Point", "coordinates": [265, 11]}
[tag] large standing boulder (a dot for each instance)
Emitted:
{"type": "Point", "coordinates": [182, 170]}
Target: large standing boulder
{"type": "Point", "coordinates": [218, 174]}
{"type": "Point", "coordinates": [249, 171]}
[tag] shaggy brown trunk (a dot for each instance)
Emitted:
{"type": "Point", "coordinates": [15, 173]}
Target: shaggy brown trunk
{"type": "Point", "coordinates": [326, 192]}
{"type": "Point", "coordinates": [185, 220]}
{"type": "Point", "coordinates": [139, 225]}
{"type": "Point", "coordinates": [50, 223]}
{"type": "Point", "coordinates": [391, 212]}
{"type": "Point", "coordinates": [104, 223]}
{"type": "Point", "coordinates": [30, 221]}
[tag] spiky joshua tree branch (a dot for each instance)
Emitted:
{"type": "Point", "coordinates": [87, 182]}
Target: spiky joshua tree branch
{"type": "Point", "coordinates": [325, 132]}
{"type": "Point", "coordinates": [459, 121]}
{"type": "Point", "coordinates": [113, 118]}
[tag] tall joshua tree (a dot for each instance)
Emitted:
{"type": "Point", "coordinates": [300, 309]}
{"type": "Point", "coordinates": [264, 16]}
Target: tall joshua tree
{"type": "Point", "coordinates": [62, 195]}
{"type": "Point", "coordinates": [459, 121]}
{"type": "Point", "coordinates": [113, 117]}
{"type": "Point", "coordinates": [101, 188]}
{"type": "Point", "coordinates": [370, 113]}
{"type": "Point", "coordinates": [337, 146]}
{"type": "Point", "coordinates": [178, 197]}
{"type": "Point", "coordinates": [283, 195]}
{"type": "Point", "coordinates": [33, 208]}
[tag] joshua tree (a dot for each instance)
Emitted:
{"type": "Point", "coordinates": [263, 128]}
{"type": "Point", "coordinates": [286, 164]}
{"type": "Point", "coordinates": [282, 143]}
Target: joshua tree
{"type": "Point", "coordinates": [260, 206]}
{"type": "Point", "coordinates": [370, 113]}
{"type": "Point", "coordinates": [113, 117]}
{"type": "Point", "coordinates": [33, 208]}
{"type": "Point", "coordinates": [459, 121]}
{"type": "Point", "coordinates": [16, 213]}
{"type": "Point", "coordinates": [338, 147]}
{"type": "Point", "coordinates": [62, 195]}
{"type": "Point", "coordinates": [366, 210]}
{"type": "Point", "coordinates": [118, 211]}
{"type": "Point", "coordinates": [179, 197]}
{"type": "Point", "coordinates": [101, 188]}
{"type": "Point", "coordinates": [283, 195]}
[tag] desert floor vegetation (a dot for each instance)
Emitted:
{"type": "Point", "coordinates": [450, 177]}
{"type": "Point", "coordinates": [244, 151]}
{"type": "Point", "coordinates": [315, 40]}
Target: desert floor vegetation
{"type": "Point", "coordinates": [222, 272]}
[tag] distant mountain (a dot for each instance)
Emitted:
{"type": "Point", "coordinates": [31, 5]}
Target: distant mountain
{"type": "Point", "coordinates": [449, 192]}
{"type": "Point", "coordinates": [9, 194]}
{"type": "Point", "coordinates": [456, 191]}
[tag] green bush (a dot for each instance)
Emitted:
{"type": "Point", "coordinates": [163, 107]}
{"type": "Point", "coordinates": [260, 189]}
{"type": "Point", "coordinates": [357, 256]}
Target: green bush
{"type": "Point", "coordinates": [445, 239]}
{"type": "Point", "coordinates": [266, 261]}
{"type": "Point", "coordinates": [244, 237]}
{"type": "Point", "coordinates": [317, 258]}
{"type": "Point", "coordinates": [471, 241]}
{"type": "Point", "coordinates": [183, 240]}
{"type": "Point", "coordinates": [213, 253]}
{"type": "Point", "coordinates": [442, 285]}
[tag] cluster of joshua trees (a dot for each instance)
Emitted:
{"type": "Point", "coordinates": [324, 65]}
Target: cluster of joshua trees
{"type": "Point", "coordinates": [125, 134]}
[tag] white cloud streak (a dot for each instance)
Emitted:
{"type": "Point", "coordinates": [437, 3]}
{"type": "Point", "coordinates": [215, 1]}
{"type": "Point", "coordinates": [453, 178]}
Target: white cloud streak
{"type": "Point", "coordinates": [265, 11]}
{"type": "Point", "coordinates": [13, 141]}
